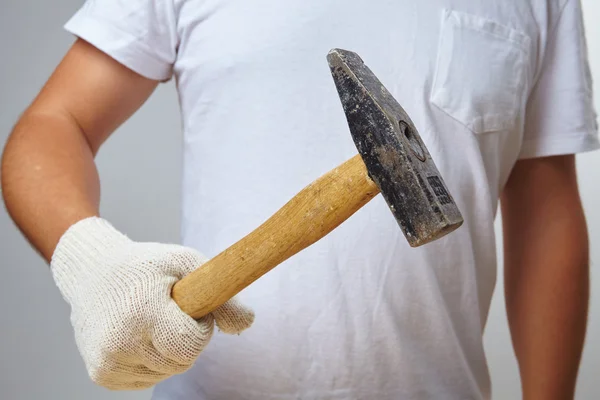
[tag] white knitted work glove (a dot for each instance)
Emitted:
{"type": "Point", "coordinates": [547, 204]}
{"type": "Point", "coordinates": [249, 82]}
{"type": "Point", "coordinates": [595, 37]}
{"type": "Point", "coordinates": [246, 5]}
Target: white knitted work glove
{"type": "Point", "coordinates": [129, 331]}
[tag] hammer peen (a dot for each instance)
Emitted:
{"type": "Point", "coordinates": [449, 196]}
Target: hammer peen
{"type": "Point", "coordinates": [392, 160]}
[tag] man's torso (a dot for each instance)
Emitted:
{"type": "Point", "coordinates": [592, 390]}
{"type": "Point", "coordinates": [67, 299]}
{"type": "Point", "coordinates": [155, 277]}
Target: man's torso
{"type": "Point", "coordinates": [360, 314]}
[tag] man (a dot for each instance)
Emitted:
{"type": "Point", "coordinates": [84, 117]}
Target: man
{"type": "Point", "coordinates": [501, 94]}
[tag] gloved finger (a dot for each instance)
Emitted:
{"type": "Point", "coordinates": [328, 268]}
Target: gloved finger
{"type": "Point", "coordinates": [233, 317]}
{"type": "Point", "coordinates": [156, 362]}
{"type": "Point", "coordinates": [178, 337]}
{"type": "Point", "coordinates": [135, 385]}
{"type": "Point", "coordinates": [117, 376]}
{"type": "Point", "coordinates": [188, 260]}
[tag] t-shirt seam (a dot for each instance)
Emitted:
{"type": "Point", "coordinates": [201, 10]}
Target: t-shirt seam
{"type": "Point", "coordinates": [541, 146]}
{"type": "Point", "coordinates": [563, 137]}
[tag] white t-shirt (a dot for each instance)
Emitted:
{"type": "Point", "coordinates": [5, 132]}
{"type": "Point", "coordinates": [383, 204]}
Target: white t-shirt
{"type": "Point", "coordinates": [360, 314]}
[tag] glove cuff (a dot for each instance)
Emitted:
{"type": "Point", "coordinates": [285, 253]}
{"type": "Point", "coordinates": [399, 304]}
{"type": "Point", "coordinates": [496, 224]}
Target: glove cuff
{"type": "Point", "coordinates": [84, 245]}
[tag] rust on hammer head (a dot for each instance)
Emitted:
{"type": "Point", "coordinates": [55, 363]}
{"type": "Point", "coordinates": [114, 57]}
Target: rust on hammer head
{"type": "Point", "coordinates": [396, 157]}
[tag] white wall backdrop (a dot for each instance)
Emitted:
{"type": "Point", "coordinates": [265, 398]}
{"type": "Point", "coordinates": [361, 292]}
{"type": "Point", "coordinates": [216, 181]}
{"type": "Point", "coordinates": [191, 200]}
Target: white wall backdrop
{"type": "Point", "coordinates": [38, 358]}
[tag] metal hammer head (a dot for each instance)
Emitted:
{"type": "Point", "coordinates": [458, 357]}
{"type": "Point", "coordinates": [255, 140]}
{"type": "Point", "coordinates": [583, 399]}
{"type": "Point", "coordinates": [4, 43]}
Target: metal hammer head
{"type": "Point", "coordinates": [396, 157]}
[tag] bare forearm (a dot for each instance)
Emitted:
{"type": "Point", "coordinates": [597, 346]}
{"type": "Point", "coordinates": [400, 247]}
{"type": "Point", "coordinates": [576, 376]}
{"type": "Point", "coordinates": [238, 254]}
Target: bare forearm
{"type": "Point", "coordinates": [49, 180]}
{"type": "Point", "coordinates": [546, 280]}
{"type": "Point", "coordinates": [547, 306]}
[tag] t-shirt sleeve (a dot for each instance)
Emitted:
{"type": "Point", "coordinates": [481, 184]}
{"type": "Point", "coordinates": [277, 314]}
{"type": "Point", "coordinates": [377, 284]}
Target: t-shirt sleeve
{"type": "Point", "coordinates": [560, 116]}
{"type": "Point", "coordinates": [140, 34]}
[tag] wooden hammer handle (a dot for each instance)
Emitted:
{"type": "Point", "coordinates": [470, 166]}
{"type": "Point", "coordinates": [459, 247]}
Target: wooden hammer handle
{"type": "Point", "coordinates": [307, 217]}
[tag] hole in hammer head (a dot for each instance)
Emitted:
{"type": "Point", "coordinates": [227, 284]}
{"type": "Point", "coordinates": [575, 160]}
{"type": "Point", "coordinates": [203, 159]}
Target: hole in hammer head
{"type": "Point", "coordinates": [413, 141]}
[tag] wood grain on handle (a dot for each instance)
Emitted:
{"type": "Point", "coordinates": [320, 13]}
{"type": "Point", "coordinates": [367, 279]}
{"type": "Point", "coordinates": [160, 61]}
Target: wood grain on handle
{"type": "Point", "coordinates": [307, 217]}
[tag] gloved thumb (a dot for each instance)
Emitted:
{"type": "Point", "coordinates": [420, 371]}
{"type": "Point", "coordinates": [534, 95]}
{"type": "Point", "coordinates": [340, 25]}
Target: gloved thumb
{"type": "Point", "coordinates": [233, 317]}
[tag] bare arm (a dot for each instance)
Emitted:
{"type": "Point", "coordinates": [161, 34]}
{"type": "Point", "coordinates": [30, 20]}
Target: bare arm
{"type": "Point", "coordinates": [49, 180]}
{"type": "Point", "coordinates": [546, 274]}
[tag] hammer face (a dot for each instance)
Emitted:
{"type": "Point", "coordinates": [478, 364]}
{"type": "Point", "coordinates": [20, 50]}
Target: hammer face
{"type": "Point", "coordinates": [396, 157]}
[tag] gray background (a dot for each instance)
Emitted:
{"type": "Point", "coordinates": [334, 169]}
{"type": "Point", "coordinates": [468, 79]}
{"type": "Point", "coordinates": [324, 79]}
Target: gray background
{"type": "Point", "coordinates": [38, 356]}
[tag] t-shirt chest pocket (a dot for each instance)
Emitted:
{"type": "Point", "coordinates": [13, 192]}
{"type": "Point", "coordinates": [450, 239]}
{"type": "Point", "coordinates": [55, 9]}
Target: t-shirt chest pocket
{"type": "Point", "coordinates": [481, 72]}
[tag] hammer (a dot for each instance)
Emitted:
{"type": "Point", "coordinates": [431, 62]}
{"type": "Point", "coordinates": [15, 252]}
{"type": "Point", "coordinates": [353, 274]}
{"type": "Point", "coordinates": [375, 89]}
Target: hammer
{"type": "Point", "coordinates": [392, 160]}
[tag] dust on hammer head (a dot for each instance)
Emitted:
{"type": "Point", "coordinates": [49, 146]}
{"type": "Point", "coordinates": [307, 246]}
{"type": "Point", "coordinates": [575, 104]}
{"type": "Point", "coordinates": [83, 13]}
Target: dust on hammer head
{"type": "Point", "coordinates": [396, 157]}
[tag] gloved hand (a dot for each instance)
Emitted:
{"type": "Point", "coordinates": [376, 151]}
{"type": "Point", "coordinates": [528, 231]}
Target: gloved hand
{"type": "Point", "coordinates": [129, 331]}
